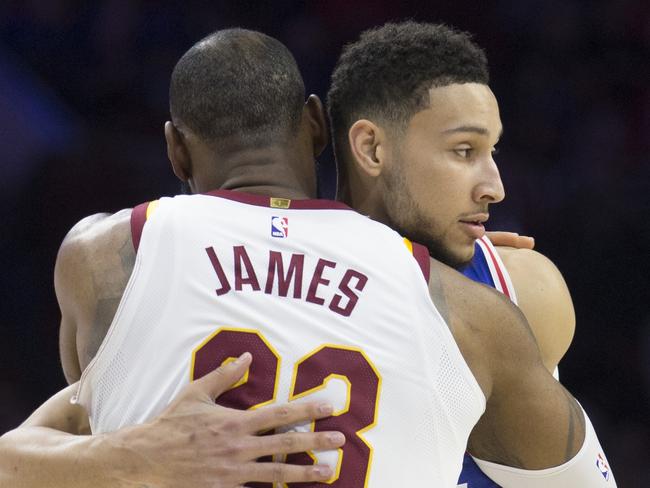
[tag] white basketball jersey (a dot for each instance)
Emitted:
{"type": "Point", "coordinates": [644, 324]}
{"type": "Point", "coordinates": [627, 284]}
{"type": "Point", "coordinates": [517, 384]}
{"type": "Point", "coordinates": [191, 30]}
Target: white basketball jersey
{"type": "Point", "coordinates": [332, 305]}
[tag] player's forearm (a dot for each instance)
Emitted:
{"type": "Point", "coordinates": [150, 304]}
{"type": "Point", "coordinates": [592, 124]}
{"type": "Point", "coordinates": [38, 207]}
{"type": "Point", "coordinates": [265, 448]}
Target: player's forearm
{"type": "Point", "coordinates": [587, 468]}
{"type": "Point", "coordinates": [34, 457]}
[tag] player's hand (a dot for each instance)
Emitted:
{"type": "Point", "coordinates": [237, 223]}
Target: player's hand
{"type": "Point", "coordinates": [197, 443]}
{"type": "Point", "coordinates": [510, 239]}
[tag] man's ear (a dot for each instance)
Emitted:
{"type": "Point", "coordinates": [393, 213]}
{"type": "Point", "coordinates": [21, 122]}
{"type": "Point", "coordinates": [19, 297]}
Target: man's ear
{"type": "Point", "coordinates": [177, 152]}
{"type": "Point", "coordinates": [317, 123]}
{"type": "Point", "coordinates": [366, 141]}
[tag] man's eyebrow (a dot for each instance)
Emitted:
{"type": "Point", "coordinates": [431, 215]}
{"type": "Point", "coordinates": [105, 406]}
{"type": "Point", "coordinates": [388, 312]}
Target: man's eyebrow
{"type": "Point", "coordinates": [471, 128]}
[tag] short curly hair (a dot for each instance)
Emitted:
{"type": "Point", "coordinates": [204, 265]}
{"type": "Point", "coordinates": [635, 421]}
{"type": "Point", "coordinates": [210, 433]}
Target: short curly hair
{"type": "Point", "coordinates": [388, 72]}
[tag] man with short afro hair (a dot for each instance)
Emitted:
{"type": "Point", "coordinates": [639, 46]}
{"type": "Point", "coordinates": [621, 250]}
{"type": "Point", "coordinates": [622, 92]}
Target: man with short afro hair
{"type": "Point", "coordinates": [388, 72]}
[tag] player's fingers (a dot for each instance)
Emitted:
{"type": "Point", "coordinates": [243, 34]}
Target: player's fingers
{"type": "Point", "coordinates": [290, 413]}
{"type": "Point", "coordinates": [526, 242]}
{"type": "Point", "coordinates": [291, 442]}
{"type": "Point", "coordinates": [502, 238]}
{"type": "Point", "coordinates": [221, 379]}
{"type": "Point", "coordinates": [288, 473]}
{"type": "Point", "coordinates": [510, 239]}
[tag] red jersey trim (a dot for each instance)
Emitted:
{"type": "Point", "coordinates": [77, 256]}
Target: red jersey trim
{"type": "Point", "coordinates": [280, 203]}
{"type": "Point", "coordinates": [497, 267]}
{"type": "Point", "coordinates": [138, 218]}
{"type": "Point", "coordinates": [421, 255]}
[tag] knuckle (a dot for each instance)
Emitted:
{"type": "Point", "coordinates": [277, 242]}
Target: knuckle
{"type": "Point", "coordinates": [283, 412]}
{"type": "Point", "coordinates": [289, 441]}
{"type": "Point", "coordinates": [279, 472]}
{"type": "Point", "coordinates": [231, 425]}
{"type": "Point", "coordinates": [309, 474]}
{"type": "Point", "coordinates": [219, 372]}
{"type": "Point", "coordinates": [313, 410]}
{"type": "Point", "coordinates": [231, 450]}
{"type": "Point", "coordinates": [227, 472]}
{"type": "Point", "coordinates": [323, 441]}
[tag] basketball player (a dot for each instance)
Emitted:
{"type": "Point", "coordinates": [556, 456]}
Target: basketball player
{"type": "Point", "coordinates": [507, 370]}
{"type": "Point", "coordinates": [376, 86]}
{"type": "Point", "coordinates": [415, 125]}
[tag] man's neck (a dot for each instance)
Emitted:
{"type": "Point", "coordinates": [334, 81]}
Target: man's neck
{"type": "Point", "coordinates": [272, 191]}
{"type": "Point", "coordinates": [269, 172]}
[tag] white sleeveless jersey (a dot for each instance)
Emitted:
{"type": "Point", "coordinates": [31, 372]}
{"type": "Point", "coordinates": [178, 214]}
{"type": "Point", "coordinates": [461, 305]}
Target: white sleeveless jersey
{"type": "Point", "coordinates": [332, 306]}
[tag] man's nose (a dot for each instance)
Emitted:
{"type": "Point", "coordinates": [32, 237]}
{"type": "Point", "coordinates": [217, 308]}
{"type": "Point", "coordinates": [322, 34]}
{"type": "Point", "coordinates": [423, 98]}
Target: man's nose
{"type": "Point", "coordinates": [490, 189]}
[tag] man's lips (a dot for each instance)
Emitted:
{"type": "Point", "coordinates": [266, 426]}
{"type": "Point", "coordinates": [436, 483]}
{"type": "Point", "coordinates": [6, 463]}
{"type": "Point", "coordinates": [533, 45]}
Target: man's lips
{"type": "Point", "coordinates": [473, 226]}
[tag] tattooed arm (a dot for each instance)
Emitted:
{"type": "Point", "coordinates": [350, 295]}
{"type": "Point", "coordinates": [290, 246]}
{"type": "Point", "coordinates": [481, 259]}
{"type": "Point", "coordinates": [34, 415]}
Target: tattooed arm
{"type": "Point", "coordinates": [92, 269]}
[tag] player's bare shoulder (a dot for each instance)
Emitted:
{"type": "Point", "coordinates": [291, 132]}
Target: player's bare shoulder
{"type": "Point", "coordinates": [544, 298]}
{"type": "Point", "coordinates": [92, 269]}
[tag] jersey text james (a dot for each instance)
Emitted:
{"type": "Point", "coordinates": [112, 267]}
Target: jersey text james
{"type": "Point", "coordinates": [343, 299]}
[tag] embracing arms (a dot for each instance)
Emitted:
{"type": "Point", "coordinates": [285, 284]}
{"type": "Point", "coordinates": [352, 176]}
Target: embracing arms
{"type": "Point", "coordinates": [531, 421]}
{"type": "Point", "coordinates": [193, 442]}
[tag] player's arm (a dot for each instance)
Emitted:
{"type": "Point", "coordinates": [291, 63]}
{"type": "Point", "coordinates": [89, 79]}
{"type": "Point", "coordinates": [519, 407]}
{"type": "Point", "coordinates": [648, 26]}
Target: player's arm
{"type": "Point", "coordinates": [544, 298]}
{"type": "Point", "coordinates": [531, 422]}
{"type": "Point", "coordinates": [194, 442]}
{"type": "Point", "coordinates": [92, 269]}
{"type": "Point", "coordinates": [41, 452]}
{"type": "Point", "coordinates": [533, 432]}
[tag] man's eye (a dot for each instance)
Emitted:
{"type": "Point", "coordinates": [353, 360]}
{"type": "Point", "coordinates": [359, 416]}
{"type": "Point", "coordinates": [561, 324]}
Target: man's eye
{"type": "Point", "coordinates": [464, 153]}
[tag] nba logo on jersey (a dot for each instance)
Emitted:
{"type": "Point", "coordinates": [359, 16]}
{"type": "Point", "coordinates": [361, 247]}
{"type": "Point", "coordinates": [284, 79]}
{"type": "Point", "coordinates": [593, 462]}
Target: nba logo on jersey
{"type": "Point", "coordinates": [601, 464]}
{"type": "Point", "coordinates": [280, 226]}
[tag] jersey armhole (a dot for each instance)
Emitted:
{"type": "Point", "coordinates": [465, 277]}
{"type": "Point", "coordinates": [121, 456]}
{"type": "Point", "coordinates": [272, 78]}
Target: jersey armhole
{"type": "Point", "coordinates": [138, 219]}
{"type": "Point", "coordinates": [421, 255]}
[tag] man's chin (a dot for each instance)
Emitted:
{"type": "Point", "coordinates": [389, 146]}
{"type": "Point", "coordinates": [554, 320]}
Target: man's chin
{"type": "Point", "coordinates": [455, 256]}
{"type": "Point", "coordinates": [462, 259]}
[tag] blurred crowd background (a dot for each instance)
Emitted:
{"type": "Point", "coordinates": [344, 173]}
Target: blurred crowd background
{"type": "Point", "coordinates": [83, 99]}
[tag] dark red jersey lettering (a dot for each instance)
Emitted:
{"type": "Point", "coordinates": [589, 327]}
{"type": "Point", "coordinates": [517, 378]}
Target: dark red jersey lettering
{"type": "Point", "coordinates": [344, 287]}
{"type": "Point", "coordinates": [296, 265]}
{"type": "Point", "coordinates": [241, 257]}
{"type": "Point", "coordinates": [225, 286]}
{"type": "Point", "coordinates": [317, 280]}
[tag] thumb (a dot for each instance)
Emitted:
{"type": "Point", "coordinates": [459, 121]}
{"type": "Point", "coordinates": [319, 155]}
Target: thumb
{"type": "Point", "coordinates": [221, 379]}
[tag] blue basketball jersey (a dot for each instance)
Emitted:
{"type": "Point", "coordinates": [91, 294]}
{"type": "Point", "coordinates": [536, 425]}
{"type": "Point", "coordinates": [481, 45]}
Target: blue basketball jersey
{"type": "Point", "coordinates": [486, 267]}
